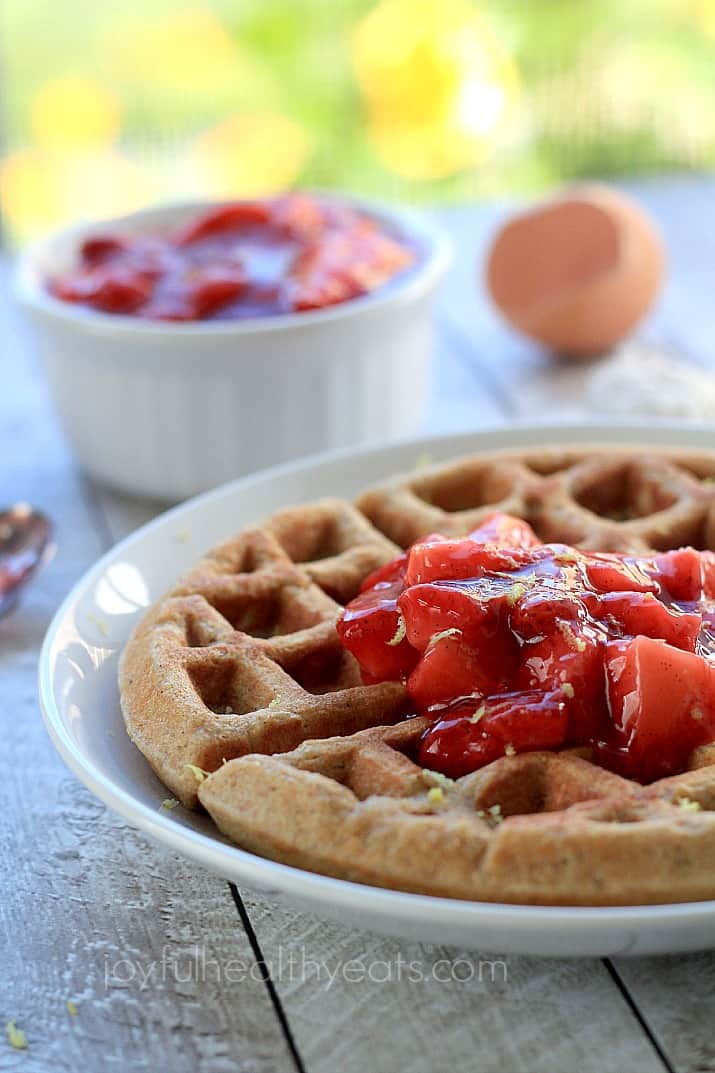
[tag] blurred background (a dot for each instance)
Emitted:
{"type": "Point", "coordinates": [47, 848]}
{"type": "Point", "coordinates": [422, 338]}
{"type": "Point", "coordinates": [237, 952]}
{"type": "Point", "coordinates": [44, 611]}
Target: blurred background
{"type": "Point", "coordinates": [111, 106]}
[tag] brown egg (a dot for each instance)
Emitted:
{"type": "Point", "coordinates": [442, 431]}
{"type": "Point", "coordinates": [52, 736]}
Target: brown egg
{"type": "Point", "coordinates": [578, 272]}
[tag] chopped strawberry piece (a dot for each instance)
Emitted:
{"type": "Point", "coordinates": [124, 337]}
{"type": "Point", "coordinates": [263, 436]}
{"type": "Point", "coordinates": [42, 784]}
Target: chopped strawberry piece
{"type": "Point", "coordinates": [110, 290]}
{"type": "Point", "coordinates": [680, 572]}
{"type": "Point", "coordinates": [614, 573]}
{"type": "Point", "coordinates": [536, 614]}
{"type": "Point", "coordinates": [631, 613]}
{"type": "Point", "coordinates": [429, 610]}
{"type": "Point", "coordinates": [477, 734]}
{"type": "Point", "coordinates": [214, 288]}
{"type": "Point", "coordinates": [662, 702]}
{"type": "Point", "coordinates": [97, 250]}
{"type": "Point", "coordinates": [374, 631]}
{"type": "Point", "coordinates": [707, 562]}
{"type": "Point", "coordinates": [340, 265]}
{"type": "Point", "coordinates": [570, 661]}
{"type": "Point", "coordinates": [223, 219]}
{"type": "Point", "coordinates": [505, 530]}
{"type": "Point", "coordinates": [300, 217]}
{"type": "Point", "coordinates": [457, 560]}
{"type": "Point", "coordinates": [449, 670]}
{"type": "Point", "coordinates": [386, 574]}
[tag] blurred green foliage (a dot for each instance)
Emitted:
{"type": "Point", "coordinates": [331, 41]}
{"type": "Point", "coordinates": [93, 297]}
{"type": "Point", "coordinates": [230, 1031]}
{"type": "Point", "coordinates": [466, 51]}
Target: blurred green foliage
{"type": "Point", "coordinates": [605, 88]}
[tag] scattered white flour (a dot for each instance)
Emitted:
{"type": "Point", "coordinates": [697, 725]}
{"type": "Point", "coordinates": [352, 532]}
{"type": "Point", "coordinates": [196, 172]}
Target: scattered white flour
{"type": "Point", "coordinates": [638, 381]}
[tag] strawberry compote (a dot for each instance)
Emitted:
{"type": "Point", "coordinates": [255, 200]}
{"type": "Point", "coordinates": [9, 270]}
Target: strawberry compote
{"type": "Point", "coordinates": [510, 645]}
{"type": "Point", "coordinates": [248, 259]}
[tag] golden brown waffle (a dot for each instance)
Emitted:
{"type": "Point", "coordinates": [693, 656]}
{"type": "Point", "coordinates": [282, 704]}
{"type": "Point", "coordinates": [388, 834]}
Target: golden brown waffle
{"type": "Point", "coordinates": [243, 658]}
{"type": "Point", "coordinates": [540, 828]}
{"type": "Point", "coordinates": [601, 499]}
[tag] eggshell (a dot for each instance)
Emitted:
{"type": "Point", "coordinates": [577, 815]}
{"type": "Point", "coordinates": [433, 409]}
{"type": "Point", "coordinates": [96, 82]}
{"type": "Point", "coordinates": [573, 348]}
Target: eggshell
{"type": "Point", "coordinates": [578, 272]}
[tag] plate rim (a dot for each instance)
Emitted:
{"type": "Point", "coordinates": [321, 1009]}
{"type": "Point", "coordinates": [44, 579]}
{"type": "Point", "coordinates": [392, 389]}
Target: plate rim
{"type": "Point", "coordinates": [226, 859]}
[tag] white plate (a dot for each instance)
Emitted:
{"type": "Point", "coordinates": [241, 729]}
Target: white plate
{"type": "Point", "coordinates": [80, 702]}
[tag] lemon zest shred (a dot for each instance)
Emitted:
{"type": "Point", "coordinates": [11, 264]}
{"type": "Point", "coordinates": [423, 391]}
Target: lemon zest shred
{"type": "Point", "coordinates": [515, 593]}
{"type": "Point", "coordinates": [438, 779]}
{"type": "Point", "coordinates": [71, 1008]}
{"type": "Point", "coordinates": [688, 805]}
{"type": "Point", "coordinates": [435, 795]}
{"type": "Point", "coordinates": [577, 643]}
{"type": "Point", "coordinates": [169, 803]}
{"type": "Point", "coordinates": [493, 814]}
{"type": "Point", "coordinates": [442, 636]}
{"type": "Point", "coordinates": [99, 623]}
{"type": "Point", "coordinates": [198, 772]}
{"type": "Point", "coordinates": [568, 690]}
{"type": "Point", "coordinates": [16, 1037]}
{"type": "Point", "coordinates": [479, 714]}
{"type": "Point", "coordinates": [399, 634]}
{"type": "Point", "coordinates": [276, 702]}
{"type": "Point", "coordinates": [509, 749]}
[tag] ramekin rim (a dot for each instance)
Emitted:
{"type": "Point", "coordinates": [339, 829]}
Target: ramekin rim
{"type": "Point", "coordinates": [436, 257]}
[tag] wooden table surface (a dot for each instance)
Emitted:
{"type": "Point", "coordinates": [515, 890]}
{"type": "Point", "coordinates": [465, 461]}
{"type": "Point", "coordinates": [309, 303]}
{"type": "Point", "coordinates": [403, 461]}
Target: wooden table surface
{"type": "Point", "coordinates": [170, 967]}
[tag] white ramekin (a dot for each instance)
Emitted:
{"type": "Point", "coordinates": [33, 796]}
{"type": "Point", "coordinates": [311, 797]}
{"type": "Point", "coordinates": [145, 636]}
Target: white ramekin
{"type": "Point", "coordinates": [168, 410]}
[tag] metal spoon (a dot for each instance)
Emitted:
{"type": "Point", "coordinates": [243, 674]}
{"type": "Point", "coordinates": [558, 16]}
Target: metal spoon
{"type": "Point", "coordinates": [25, 544]}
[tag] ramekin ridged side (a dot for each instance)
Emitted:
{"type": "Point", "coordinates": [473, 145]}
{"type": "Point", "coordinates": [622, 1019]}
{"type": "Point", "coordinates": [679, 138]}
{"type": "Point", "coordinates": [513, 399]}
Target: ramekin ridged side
{"type": "Point", "coordinates": [169, 410]}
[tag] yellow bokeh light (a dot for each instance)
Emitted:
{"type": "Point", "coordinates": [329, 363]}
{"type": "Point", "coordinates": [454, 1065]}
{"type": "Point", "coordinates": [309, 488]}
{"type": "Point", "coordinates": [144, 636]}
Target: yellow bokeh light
{"type": "Point", "coordinates": [41, 190]}
{"type": "Point", "coordinates": [74, 111]}
{"type": "Point", "coordinates": [27, 194]}
{"type": "Point", "coordinates": [248, 155]}
{"type": "Point", "coordinates": [703, 12]}
{"type": "Point", "coordinates": [190, 50]}
{"type": "Point", "coordinates": [439, 88]}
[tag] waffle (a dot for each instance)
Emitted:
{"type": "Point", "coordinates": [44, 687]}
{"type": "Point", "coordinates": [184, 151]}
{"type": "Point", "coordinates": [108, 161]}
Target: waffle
{"type": "Point", "coordinates": [242, 656]}
{"type": "Point", "coordinates": [238, 673]}
{"type": "Point", "coordinates": [600, 499]}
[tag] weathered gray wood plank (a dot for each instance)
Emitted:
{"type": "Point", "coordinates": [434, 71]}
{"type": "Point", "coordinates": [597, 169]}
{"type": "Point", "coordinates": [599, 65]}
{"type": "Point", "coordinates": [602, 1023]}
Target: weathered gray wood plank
{"type": "Point", "coordinates": [357, 1001]}
{"type": "Point", "coordinates": [459, 401]}
{"type": "Point", "coordinates": [676, 998]}
{"type": "Point", "coordinates": [88, 907]}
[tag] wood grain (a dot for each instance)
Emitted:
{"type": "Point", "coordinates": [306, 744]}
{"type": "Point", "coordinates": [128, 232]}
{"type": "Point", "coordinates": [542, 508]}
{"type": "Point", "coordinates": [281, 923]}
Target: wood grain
{"type": "Point", "coordinates": [429, 1009]}
{"type": "Point", "coordinates": [87, 905]}
{"type": "Point", "coordinates": [676, 998]}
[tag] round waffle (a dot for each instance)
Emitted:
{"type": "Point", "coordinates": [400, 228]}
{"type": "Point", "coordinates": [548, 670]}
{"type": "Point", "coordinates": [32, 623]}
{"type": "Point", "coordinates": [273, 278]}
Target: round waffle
{"type": "Point", "coordinates": [236, 689]}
